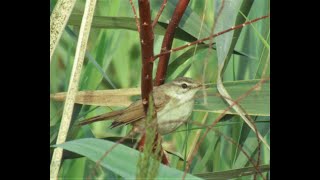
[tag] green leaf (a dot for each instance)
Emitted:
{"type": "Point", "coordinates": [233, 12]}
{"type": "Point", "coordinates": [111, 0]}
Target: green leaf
{"type": "Point", "coordinates": [129, 24]}
{"type": "Point", "coordinates": [250, 145]}
{"type": "Point", "coordinates": [183, 61]}
{"type": "Point", "coordinates": [206, 157]}
{"type": "Point", "coordinates": [256, 103]}
{"type": "Point", "coordinates": [234, 173]}
{"type": "Point", "coordinates": [121, 160]}
{"type": "Point", "coordinates": [245, 9]}
{"type": "Point", "coordinates": [190, 21]}
{"type": "Point", "coordinates": [101, 53]}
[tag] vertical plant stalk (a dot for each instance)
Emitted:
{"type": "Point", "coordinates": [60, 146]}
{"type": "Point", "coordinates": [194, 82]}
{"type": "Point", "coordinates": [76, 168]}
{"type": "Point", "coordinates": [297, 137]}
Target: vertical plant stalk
{"type": "Point", "coordinates": [146, 41]}
{"type": "Point", "coordinates": [73, 86]}
{"type": "Point", "coordinates": [58, 21]}
{"type": "Point", "coordinates": [147, 163]}
{"type": "Point", "coordinates": [167, 41]}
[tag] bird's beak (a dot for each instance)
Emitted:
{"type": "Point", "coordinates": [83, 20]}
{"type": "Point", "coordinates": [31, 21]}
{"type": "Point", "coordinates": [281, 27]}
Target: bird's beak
{"type": "Point", "coordinates": [197, 87]}
{"type": "Point", "coordinates": [206, 86]}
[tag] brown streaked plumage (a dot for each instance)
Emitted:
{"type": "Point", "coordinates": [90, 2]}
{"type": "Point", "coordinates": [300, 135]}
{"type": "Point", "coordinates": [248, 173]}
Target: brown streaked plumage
{"type": "Point", "coordinates": [173, 102]}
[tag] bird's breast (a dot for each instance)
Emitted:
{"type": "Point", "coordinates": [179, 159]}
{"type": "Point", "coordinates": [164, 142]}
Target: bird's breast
{"type": "Point", "coordinates": [173, 115]}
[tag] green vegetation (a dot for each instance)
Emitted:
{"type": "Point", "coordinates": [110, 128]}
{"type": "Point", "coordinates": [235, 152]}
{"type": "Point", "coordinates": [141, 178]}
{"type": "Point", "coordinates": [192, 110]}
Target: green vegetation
{"type": "Point", "coordinates": [113, 61]}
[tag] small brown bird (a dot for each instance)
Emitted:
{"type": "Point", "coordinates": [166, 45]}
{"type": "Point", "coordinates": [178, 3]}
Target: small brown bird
{"type": "Point", "coordinates": [173, 103]}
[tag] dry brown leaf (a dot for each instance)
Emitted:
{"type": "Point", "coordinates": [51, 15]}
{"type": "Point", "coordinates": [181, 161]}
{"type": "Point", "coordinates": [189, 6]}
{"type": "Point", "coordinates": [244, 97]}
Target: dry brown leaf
{"type": "Point", "coordinates": [114, 97]}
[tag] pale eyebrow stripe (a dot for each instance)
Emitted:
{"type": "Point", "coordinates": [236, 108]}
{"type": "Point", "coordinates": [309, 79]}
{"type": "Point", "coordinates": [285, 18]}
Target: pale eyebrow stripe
{"type": "Point", "coordinates": [180, 83]}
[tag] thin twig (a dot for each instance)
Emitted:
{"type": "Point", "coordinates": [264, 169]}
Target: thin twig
{"type": "Point", "coordinates": [242, 150]}
{"type": "Point", "coordinates": [135, 15]}
{"type": "Point", "coordinates": [208, 38]}
{"type": "Point", "coordinates": [163, 5]}
{"type": "Point", "coordinates": [217, 120]}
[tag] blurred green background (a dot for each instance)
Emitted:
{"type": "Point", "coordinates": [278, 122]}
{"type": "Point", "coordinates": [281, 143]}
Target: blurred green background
{"type": "Point", "coordinates": [113, 61]}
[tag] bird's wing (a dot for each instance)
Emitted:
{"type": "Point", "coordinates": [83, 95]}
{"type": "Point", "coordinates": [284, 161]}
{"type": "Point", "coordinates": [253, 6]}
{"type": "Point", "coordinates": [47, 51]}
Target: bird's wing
{"type": "Point", "coordinates": [132, 113]}
{"type": "Point", "coordinates": [136, 110]}
{"type": "Point", "coordinates": [160, 100]}
{"type": "Point", "coordinates": [101, 117]}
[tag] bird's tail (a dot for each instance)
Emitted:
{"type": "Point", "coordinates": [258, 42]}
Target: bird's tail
{"type": "Point", "coordinates": [101, 117]}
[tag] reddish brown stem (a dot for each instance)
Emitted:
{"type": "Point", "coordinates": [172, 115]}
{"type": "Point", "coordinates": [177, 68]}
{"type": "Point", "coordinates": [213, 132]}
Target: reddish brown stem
{"type": "Point", "coordinates": [146, 41]}
{"type": "Point", "coordinates": [141, 142]}
{"type": "Point", "coordinates": [207, 38]}
{"type": "Point", "coordinates": [168, 39]}
{"type": "Point", "coordinates": [163, 5]}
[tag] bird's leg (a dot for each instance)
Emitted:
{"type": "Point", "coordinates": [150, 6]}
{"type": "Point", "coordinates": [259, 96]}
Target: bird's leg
{"type": "Point", "coordinates": [162, 155]}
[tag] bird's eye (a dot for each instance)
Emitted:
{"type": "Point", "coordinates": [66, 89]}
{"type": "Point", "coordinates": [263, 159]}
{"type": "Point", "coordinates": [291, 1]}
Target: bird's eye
{"type": "Point", "coordinates": [184, 86]}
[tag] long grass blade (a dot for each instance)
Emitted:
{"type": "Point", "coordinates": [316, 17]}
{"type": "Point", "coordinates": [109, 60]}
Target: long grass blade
{"type": "Point", "coordinates": [73, 86]}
